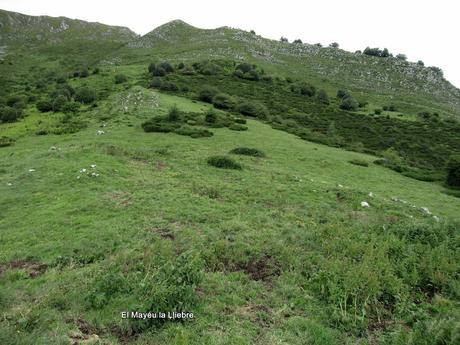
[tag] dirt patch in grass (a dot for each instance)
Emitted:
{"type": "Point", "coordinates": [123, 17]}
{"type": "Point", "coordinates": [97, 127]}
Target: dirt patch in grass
{"type": "Point", "coordinates": [32, 266]}
{"type": "Point", "coordinates": [164, 233]}
{"type": "Point", "coordinates": [263, 269]}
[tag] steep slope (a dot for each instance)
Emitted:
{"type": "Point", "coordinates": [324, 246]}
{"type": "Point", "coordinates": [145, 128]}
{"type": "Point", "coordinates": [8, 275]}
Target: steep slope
{"type": "Point", "coordinates": [19, 30]}
{"type": "Point", "coordinates": [379, 78]}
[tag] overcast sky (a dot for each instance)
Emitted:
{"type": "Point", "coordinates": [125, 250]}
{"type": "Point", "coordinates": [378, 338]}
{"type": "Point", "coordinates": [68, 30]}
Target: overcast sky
{"type": "Point", "coordinates": [422, 29]}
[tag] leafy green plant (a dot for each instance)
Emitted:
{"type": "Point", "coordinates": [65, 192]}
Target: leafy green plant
{"type": "Point", "coordinates": [223, 162]}
{"type": "Point", "coordinates": [247, 151]}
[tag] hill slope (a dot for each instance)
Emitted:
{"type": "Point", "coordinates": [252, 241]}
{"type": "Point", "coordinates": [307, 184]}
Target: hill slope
{"type": "Point", "coordinates": [264, 255]}
{"type": "Point", "coordinates": [388, 79]}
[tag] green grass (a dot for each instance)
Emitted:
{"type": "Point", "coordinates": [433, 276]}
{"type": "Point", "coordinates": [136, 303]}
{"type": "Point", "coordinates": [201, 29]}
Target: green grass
{"type": "Point", "coordinates": [259, 235]}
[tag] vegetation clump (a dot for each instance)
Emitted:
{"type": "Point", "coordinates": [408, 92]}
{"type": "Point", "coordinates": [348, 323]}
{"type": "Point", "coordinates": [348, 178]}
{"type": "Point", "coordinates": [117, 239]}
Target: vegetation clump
{"type": "Point", "coordinates": [6, 141]}
{"type": "Point", "coordinates": [248, 151]}
{"type": "Point", "coordinates": [223, 162]}
{"type": "Point", "coordinates": [359, 162]}
{"type": "Point", "coordinates": [453, 171]}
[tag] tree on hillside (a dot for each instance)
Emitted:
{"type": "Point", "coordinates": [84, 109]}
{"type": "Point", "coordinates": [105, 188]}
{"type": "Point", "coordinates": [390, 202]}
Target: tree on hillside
{"type": "Point", "coordinates": [284, 39]}
{"type": "Point", "coordinates": [401, 57]}
{"type": "Point", "coordinates": [334, 45]}
{"type": "Point", "coordinates": [298, 41]}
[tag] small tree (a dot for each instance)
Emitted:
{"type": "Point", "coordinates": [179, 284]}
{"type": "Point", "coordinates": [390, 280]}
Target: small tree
{"type": "Point", "coordinates": [341, 93]}
{"type": "Point", "coordinates": [453, 171]}
{"type": "Point", "coordinates": [44, 106]}
{"type": "Point", "coordinates": [59, 103]}
{"type": "Point", "coordinates": [284, 39]}
{"type": "Point", "coordinates": [298, 41]}
{"type": "Point", "coordinates": [167, 67]}
{"type": "Point", "coordinates": [9, 114]}
{"type": "Point", "coordinates": [401, 57]}
{"type": "Point", "coordinates": [420, 63]}
{"type": "Point", "coordinates": [223, 101]}
{"type": "Point", "coordinates": [334, 45]}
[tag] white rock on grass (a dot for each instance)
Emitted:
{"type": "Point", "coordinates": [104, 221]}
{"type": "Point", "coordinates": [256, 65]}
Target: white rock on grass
{"type": "Point", "coordinates": [371, 194]}
{"type": "Point", "coordinates": [99, 132]}
{"type": "Point", "coordinates": [93, 166]}
{"type": "Point", "coordinates": [364, 204]}
{"type": "Point", "coordinates": [31, 170]}
{"type": "Point", "coordinates": [425, 210]}
{"type": "Point", "coordinates": [436, 218]}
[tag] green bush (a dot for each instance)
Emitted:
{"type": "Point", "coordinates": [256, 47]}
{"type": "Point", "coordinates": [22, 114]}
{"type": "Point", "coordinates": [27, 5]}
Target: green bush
{"type": "Point", "coordinates": [120, 79]}
{"type": "Point", "coordinates": [359, 162]}
{"type": "Point", "coordinates": [223, 101]}
{"type": "Point", "coordinates": [168, 86]}
{"type": "Point", "coordinates": [173, 114]}
{"type": "Point", "coordinates": [247, 151]}
{"type": "Point", "coordinates": [453, 171]}
{"type": "Point", "coordinates": [6, 141]}
{"type": "Point", "coordinates": [156, 125]}
{"type": "Point", "coordinates": [207, 93]}
{"type": "Point", "coordinates": [237, 127]}
{"type": "Point", "coordinates": [158, 72]}
{"type": "Point", "coordinates": [377, 111]}
{"type": "Point", "coordinates": [207, 68]}
{"type": "Point", "coordinates": [156, 83]}
{"type": "Point", "coordinates": [341, 94]}
{"type": "Point", "coordinates": [71, 107]}
{"type": "Point", "coordinates": [193, 132]}
{"type": "Point", "coordinates": [223, 162]}
{"type": "Point", "coordinates": [9, 114]}
{"type": "Point", "coordinates": [240, 120]}
{"type": "Point", "coordinates": [85, 95]}
{"type": "Point", "coordinates": [304, 89]}
{"type": "Point", "coordinates": [322, 97]}
{"type": "Point", "coordinates": [44, 106]}
{"type": "Point", "coordinates": [59, 103]}
{"type": "Point", "coordinates": [349, 104]}
{"type": "Point", "coordinates": [167, 67]}
{"type": "Point", "coordinates": [210, 116]}
{"type": "Point", "coordinates": [16, 101]}
{"type": "Point", "coordinates": [254, 109]}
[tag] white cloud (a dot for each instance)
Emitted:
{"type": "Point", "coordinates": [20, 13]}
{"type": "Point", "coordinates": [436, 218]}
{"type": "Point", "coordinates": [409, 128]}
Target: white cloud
{"type": "Point", "coordinates": [421, 29]}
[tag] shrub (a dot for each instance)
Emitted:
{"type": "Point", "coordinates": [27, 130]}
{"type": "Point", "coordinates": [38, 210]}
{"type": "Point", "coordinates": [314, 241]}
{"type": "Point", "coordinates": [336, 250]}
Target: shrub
{"type": "Point", "coordinates": [59, 102]}
{"type": "Point", "coordinates": [44, 106]}
{"type": "Point", "coordinates": [420, 63]}
{"type": "Point", "coordinates": [334, 45]}
{"type": "Point", "coordinates": [377, 111]}
{"type": "Point", "coordinates": [193, 132]}
{"type": "Point", "coordinates": [359, 162]}
{"type": "Point", "coordinates": [284, 39]}
{"type": "Point", "coordinates": [6, 141]}
{"type": "Point", "coordinates": [158, 125]}
{"type": "Point", "coordinates": [240, 120]}
{"type": "Point", "coordinates": [453, 171]}
{"type": "Point", "coordinates": [297, 41]}
{"type": "Point", "coordinates": [173, 114]}
{"type": "Point", "coordinates": [84, 73]}
{"type": "Point", "coordinates": [223, 101]}
{"type": "Point", "coordinates": [349, 104]}
{"type": "Point", "coordinates": [71, 107]}
{"type": "Point", "coordinates": [376, 52]}
{"type": "Point", "coordinates": [181, 65]}
{"type": "Point", "coordinates": [120, 79]}
{"type": "Point", "coordinates": [9, 114]}
{"type": "Point", "coordinates": [244, 67]}
{"type": "Point", "coordinates": [167, 67]}
{"type": "Point", "coordinates": [247, 151]}
{"type": "Point", "coordinates": [322, 97]}
{"type": "Point", "coordinates": [210, 117]}
{"type": "Point", "coordinates": [85, 95]}
{"type": "Point", "coordinates": [156, 83]}
{"type": "Point", "coordinates": [237, 127]}
{"type": "Point", "coordinates": [401, 57]}
{"type": "Point", "coordinates": [343, 94]}
{"type": "Point", "coordinates": [223, 162]}
{"type": "Point", "coordinates": [168, 86]}
{"type": "Point", "coordinates": [16, 101]}
{"type": "Point", "coordinates": [158, 72]}
{"type": "Point", "coordinates": [207, 68]}
{"type": "Point", "coordinates": [207, 93]}
{"type": "Point", "coordinates": [255, 109]}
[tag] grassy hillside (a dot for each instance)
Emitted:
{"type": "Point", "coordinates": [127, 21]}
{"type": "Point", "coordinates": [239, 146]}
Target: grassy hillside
{"type": "Point", "coordinates": [381, 80]}
{"type": "Point", "coordinates": [244, 194]}
{"type": "Point", "coordinates": [276, 253]}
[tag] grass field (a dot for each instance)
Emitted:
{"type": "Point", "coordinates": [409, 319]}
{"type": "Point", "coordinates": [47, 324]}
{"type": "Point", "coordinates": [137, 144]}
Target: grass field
{"type": "Point", "coordinates": [279, 252]}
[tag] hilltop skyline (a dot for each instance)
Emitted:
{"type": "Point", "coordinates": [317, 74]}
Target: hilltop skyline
{"type": "Point", "coordinates": [415, 29]}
